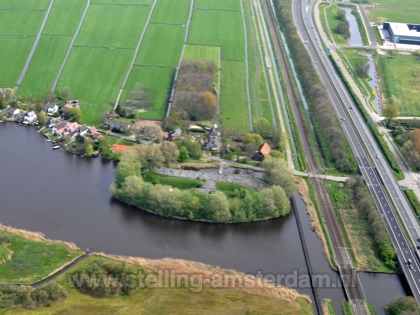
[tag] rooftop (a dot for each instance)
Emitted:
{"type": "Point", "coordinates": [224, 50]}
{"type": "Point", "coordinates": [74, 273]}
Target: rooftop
{"type": "Point", "coordinates": [404, 29]}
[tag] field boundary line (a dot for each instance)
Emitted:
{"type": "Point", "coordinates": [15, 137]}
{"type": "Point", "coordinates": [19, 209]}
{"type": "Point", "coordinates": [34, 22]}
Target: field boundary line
{"type": "Point", "coordinates": [248, 93]}
{"type": "Point", "coordinates": [76, 33]}
{"type": "Point", "coordinates": [187, 33]}
{"type": "Point", "coordinates": [32, 52]}
{"type": "Point", "coordinates": [136, 52]}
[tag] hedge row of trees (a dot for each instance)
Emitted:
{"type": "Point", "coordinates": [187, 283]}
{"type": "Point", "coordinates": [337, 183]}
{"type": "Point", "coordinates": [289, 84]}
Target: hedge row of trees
{"type": "Point", "coordinates": [28, 297]}
{"type": "Point", "coordinates": [194, 95]}
{"type": "Point", "coordinates": [364, 203]}
{"type": "Point", "coordinates": [322, 110]}
{"type": "Point", "coordinates": [246, 205]}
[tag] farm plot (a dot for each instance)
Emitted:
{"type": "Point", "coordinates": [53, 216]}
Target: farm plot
{"type": "Point", "coordinates": [130, 2]}
{"type": "Point", "coordinates": [171, 12]}
{"type": "Point", "coordinates": [403, 11]}
{"type": "Point", "coordinates": [234, 112]}
{"type": "Point", "coordinates": [162, 45]}
{"type": "Point", "coordinates": [117, 26]}
{"type": "Point", "coordinates": [13, 54]}
{"type": "Point", "coordinates": [94, 75]}
{"type": "Point", "coordinates": [219, 28]}
{"type": "Point", "coordinates": [64, 24]}
{"type": "Point", "coordinates": [44, 66]}
{"type": "Point", "coordinates": [24, 4]}
{"type": "Point", "coordinates": [158, 82]}
{"type": "Point", "coordinates": [202, 52]}
{"type": "Point", "coordinates": [20, 22]}
{"type": "Point", "coordinates": [218, 4]}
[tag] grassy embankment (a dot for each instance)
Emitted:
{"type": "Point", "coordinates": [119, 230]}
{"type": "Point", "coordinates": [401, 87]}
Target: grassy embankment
{"type": "Point", "coordinates": [192, 286]}
{"type": "Point", "coordinates": [329, 15]}
{"type": "Point", "coordinates": [356, 230]}
{"type": "Point", "coordinates": [27, 257]}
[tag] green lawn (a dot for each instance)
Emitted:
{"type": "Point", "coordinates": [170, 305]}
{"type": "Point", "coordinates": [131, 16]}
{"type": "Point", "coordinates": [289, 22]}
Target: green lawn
{"type": "Point", "coordinates": [158, 80]}
{"type": "Point", "coordinates": [218, 4]}
{"type": "Point", "coordinates": [179, 299]}
{"type": "Point", "coordinates": [24, 4]}
{"type": "Point", "coordinates": [202, 52]}
{"type": "Point", "coordinates": [117, 2]}
{"type": "Point", "coordinates": [44, 65]}
{"type": "Point", "coordinates": [64, 24]}
{"type": "Point", "coordinates": [31, 260]}
{"type": "Point", "coordinates": [219, 28]}
{"type": "Point", "coordinates": [13, 54]}
{"type": "Point", "coordinates": [20, 22]}
{"type": "Point", "coordinates": [229, 188]}
{"type": "Point", "coordinates": [171, 12]}
{"type": "Point", "coordinates": [117, 26]}
{"type": "Point", "coordinates": [158, 41]}
{"type": "Point", "coordinates": [178, 182]}
{"type": "Point", "coordinates": [234, 110]}
{"type": "Point", "coordinates": [93, 77]}
{"type": "Point", "coordinates": [400, 82]}
{"type": "Point", "coordinates": [332, 23]}
{"type": "Point", "coordinates": [407, 11]}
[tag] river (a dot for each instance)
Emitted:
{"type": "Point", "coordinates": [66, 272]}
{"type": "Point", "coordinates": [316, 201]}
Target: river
{"type": "Point", "coordinates": [67, 197]}
{"type": "Point", "coordinates": [355, 39]}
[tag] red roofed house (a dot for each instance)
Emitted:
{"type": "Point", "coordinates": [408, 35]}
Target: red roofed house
{"type": "Point", "coordinates": [262, 151]}
{"type": "Point", "coordinates": [120, 147]}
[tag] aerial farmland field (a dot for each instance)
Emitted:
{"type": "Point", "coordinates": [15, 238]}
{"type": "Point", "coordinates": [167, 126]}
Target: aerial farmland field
{"type": "Point", "coordinates": [108, 46]}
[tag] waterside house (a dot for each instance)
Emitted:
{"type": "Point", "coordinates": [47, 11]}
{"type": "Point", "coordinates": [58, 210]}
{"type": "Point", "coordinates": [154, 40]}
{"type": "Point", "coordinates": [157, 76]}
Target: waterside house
{"type": "Point", "coordinates": [29, 118]}
{"type": "Point", "coordinates": [115, 126]}
{"type": "Point", "coordinates": [12, 112]}
{"type": "Point", "coordinates": [50, 108]}
{"type": "Point", "coordinates": [262, 151]}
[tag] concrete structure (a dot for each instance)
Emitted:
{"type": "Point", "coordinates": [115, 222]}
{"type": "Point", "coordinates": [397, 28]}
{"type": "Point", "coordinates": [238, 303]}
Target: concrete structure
{"type": "Point", "coordinates": [403, 33]}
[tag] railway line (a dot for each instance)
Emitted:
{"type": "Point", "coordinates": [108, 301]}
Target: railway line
{"type": "Point", "coordinates": [348, 274]}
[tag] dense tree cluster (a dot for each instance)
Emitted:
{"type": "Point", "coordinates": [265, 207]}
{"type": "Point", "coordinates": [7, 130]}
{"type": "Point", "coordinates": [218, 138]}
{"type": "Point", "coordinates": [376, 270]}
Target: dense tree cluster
{"type": "Point", "coordinates": [403, 305]}
{"type": "Point", "coordinates": [102, 278]}
{"type": "Point", "coordinates": [28, 297]}
{"type": "Point", "coordinates": [194, 97]}
{"type": "Point", "coordinates": [364, 203]}
{"type": "Point", "coordinates": [410, 143]}
{"type": "Point", "coordinates": [321, 107]}
{"type": "Point", "coordinates": [245, 204]}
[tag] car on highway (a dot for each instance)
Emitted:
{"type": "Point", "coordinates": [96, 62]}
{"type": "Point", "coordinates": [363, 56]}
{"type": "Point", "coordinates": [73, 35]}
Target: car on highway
{"type": "Point", "coordinates": [418, 240]}
{"type": "Point", "coordinates": [408, 261]}
{"type": "Point", "coordinates": [410, 267]}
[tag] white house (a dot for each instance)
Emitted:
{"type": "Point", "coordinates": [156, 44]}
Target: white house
{"type": "Point", "coordinates": [11, 112]}
{"type": "Point", "coordinates": [29, 118]}
{"type": "Point", "coordinates": [50, 108]}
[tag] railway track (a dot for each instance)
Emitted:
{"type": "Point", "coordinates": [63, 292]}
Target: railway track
{"type": "Point", "coordinates": [351, 282]}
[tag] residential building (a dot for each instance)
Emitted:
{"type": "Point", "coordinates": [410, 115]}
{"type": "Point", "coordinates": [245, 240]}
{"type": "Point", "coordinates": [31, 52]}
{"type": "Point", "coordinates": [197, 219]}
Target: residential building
{"type": "Point", "coordinates": [29, 118]}
{"type": "Point", "coordinates": [115, 126]}
{"type": "Point", "coordinates": [50, 108]}
{"type": "Point", "coordinates": [262, 151]}
{"type": "Point", "coordinates": [12, 112]}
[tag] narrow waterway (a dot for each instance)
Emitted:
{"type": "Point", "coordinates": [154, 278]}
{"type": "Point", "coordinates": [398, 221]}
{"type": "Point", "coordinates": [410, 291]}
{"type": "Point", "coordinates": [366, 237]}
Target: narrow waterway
{"type": "Point", "coordinates": [355, 39]}
{"type": "Point", "coordinates": [373, 83]}
{"type": "Point", "coordinates": [67, 197]}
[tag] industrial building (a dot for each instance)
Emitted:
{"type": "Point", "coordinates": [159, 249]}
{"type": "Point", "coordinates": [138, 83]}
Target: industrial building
{"type": "Point", "coordinates": [403, 33]}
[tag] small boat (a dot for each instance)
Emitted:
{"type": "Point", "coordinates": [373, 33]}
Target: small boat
{"type": "Point", "coordinates": [1, 121]}
{"type": "Point", "coordinates": [56, 147]}
{"type": "Point", "coordinates": [48, 140]}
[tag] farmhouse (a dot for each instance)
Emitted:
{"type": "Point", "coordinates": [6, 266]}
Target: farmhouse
{"type": "Point", "coordinates": [29, 118]}
{"type": "Point", "coordinates": [50, 108]}
{"type": "Point", "coordinates": [115, 126]}
{"type": "Point", "coordinates": [12, 112]}
{"type": "Point", "coordinates": [403, 33]}
{"type": "Point", "coordinates": [212, 142]}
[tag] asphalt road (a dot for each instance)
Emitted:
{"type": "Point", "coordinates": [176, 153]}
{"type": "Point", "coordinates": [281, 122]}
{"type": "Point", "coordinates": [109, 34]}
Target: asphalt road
{"type": "Point", "coordinates": [373, 166]}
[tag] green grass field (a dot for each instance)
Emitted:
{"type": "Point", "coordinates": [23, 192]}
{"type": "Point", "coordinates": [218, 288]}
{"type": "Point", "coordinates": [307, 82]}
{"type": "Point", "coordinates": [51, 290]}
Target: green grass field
{"type": "Point", "coordinates": [118, 26]}
{"type": "Point", "coordinates": [31, 260]}
{"type": "Point", "coordinates": [45, 64]}
{"type": "Point", "coordinates": [119, 2]}
{"type": "Point", "coordinates": [158, 80]}
{"type": "Point", "coordinates": [202, 52]}
{"type": "Point", "coordinates": [400, 82]}
{"type": "Point", "coordinates": [234, 112]}
{"type": "Point", "coordinates": [229, 188]}
{"type": "Point", "coordinates": [64, 24]}
{"type": "Point", "coordinates": [407, 11]}
{"type": "Point", "coordinates": [171, 12]}
{"type": "Point", "coordinates": [157, 42]}
{"type": "Point", "coordinates": [24, 4]}
{"type": "Point", "coordinates": [92, 76]}
{"type": "Point", "coordinates": [218, 5]}
{"type": "Point", "coordinates": [178, 182]}
{"type": "Point", "coordinates": [219, 28]}
{"type": "Point", "coordinates": [13, 54]}
{"type": "Point", "coordinates": [11, 22]}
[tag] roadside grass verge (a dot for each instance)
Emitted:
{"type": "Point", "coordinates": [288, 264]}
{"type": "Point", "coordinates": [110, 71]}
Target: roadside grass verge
{"type": "Point", "coordinates": [158, 80]}
{"type": "Point", "coordinates": [218, 5]}
{"type": "Point", "coordinates": [118, 26]}
{"type": "Point", "coordinates": [177, 182]}
{"type": "Point", "coordinates": [92, 77]}
{"type": "Point", "coordinates": [13, 55]}
{"type": "Point", "coordinates": [171, 12]}
{"type": "Point", "coordinates": [202, 52]}
{"type": "Point", "coordinates": [31, 259]}
{"type": "Point", "coordinates": [377, 35]}
{"type": "Point", "coordinates": [399, 77]}
{"type": "Point", "coordinates": [64, 24]}
{"type": "Point", "coordinates": [324, 21]}
{"type": "Point", "coordinates": [234, 111]}
{"type": "Point", "coordinates": [44, 66]}
{"type": "Point", "coordinates": [180, 297]}
{"type": "Point", "coordinates": [229, 189]}
{"type": "Point", "coordinates": [219, 28]}
{"type": "Point", "coordinates": [412, 198]}
{"type": "Point", "coordinates": [161, 46]}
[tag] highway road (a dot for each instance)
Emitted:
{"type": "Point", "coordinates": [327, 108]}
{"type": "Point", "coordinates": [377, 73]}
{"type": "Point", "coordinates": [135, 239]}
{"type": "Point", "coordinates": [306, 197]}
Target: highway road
{"type": "Point", "coordinates": [372, 164]}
